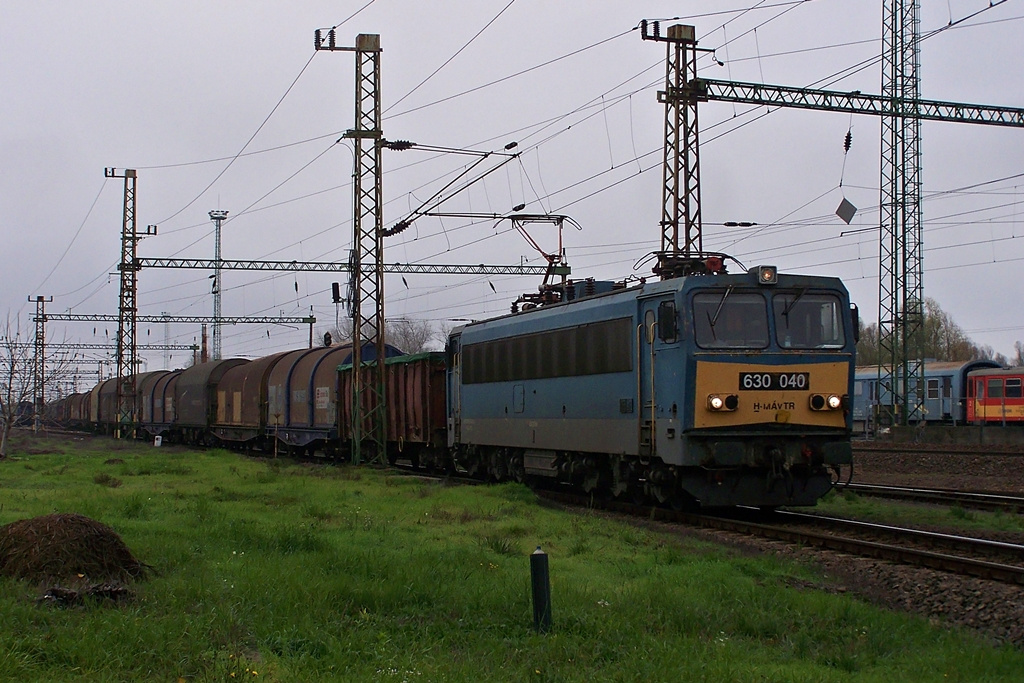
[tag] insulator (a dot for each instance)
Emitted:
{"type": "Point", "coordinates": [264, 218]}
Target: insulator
{"type": "Point", "coordinates": [316, 39]}
{"type": "Point", "coordinates": [330, 38]}
{"type": "Point", "coordinates": [657, 29]}
{"type": "Point", "coordinates": [395, 229]}
{"type": "Point", "coordinates": [511, 145]}
{"type": "Point", "coordinates": [519, 207]}
{"type": "Point", "coordinates": [643, 28]}
{"type": "Point", "coordinates": [848, 141]}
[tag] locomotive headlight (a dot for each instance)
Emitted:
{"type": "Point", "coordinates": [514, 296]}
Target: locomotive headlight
{"type": "Point", "coordinates": [823, 402]}
{"type": "Point", "coordinates": [727, 403]}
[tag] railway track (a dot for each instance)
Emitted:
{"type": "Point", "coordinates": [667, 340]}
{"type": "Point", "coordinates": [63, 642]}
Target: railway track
{"type": "Point", "coordinates": [955, 554]}
{"type": "Point", "coordinates": [978, 500]}
{"type": "Point", "coordinates": [874, 447]}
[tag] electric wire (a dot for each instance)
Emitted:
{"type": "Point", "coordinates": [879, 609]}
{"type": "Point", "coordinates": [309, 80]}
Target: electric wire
{"type": "Point", "coordinates": [449, 60]}
{"type": "Point", "coordinates": [616, 182]}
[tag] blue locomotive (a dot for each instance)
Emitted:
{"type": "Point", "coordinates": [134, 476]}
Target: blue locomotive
{"type": "Point", "coordinates": [718, 390]}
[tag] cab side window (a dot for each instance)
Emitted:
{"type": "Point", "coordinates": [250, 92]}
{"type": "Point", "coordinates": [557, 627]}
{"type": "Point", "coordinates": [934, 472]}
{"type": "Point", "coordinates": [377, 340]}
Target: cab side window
{"type": "Point", "coordinates": [668, 329]}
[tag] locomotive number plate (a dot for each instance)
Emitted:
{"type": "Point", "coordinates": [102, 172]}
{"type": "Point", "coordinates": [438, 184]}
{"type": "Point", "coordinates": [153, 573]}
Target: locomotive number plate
{"type": "Point", "coordinates": [775, 381]}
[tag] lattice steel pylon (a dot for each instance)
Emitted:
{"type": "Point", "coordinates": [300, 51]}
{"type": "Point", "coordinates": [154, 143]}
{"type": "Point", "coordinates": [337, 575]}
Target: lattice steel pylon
{"type": "Point", "coordinates": [681, 167]}
{"type": "Point", "coordinates": [127, 312]}
{"type": "Point", "coordinates": [217, 216]}
{"type": "Point", "coordinates": [901, 266]}
{"type": "Point", "coordinates": [369, 411]}
{"type": "Point", "coordinates": [39, 362]}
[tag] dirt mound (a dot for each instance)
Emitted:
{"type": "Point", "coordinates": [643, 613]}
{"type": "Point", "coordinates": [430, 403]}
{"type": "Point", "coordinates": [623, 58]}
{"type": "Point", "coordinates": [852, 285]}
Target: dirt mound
{"type": "Point", "coordinates": [66, 547]}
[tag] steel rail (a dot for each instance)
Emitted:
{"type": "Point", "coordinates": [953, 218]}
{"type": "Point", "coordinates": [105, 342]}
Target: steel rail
{"type": "Point", "coordinates": [979, 500]}
{"type": "Point", "coordinates": [893, 553]}
{"type": "Point", "coordinates": [957, 541]}
{"type": "Point", "coordinates": [863, 448]}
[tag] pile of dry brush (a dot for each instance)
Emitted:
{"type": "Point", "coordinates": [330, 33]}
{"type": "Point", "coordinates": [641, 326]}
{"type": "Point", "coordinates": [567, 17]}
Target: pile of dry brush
{"type": "Point", "coordinates": [74, 555]}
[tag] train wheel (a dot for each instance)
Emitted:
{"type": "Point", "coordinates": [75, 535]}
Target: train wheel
{"type": "Point", "coordinates": [498, 465]}
{"type": "Point", "coordinates": [516, 469]}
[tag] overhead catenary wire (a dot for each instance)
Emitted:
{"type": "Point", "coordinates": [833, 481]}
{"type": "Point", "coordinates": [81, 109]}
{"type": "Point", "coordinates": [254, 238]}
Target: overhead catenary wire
{"type": "Point", "coordinates": [635, 155]}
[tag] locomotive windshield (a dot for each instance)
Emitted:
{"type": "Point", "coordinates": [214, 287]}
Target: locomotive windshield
{"type": "Point", "coordinates": [730, 319]}
{"type": "Point", "coordinates": [805, 320]}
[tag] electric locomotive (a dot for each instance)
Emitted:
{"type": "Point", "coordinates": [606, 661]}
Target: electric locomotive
{"type": "Point", "coordinates": [717, 390]}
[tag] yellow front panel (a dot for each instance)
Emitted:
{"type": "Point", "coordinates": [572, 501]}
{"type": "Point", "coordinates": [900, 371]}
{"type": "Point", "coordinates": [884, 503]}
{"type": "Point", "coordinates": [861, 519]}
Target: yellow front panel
{"type": "Point", "coordinates": [783, 406]}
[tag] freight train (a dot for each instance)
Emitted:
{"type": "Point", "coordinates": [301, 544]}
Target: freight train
{"type": "Point", "coordinates": [714, 390]}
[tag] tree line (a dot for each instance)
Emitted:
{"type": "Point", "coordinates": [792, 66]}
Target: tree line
{"type": "Point", "coordinates": [944, 340]}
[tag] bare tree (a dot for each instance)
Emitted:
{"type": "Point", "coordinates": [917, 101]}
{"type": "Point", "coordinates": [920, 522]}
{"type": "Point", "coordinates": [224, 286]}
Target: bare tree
{"type": "Point", "coordinates": [1018, 358]}
{"type": "Point", "coordinates": [411, 336]}
{"type": "Point", "coordinates": [18, 381]}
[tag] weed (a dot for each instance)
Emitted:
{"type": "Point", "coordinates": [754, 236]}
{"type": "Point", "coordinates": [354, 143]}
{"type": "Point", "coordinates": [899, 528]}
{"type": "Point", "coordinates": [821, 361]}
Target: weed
{"type": "Point", "coordinates": [134, 507]}
{"type": "Point", "coordinates": [315, 511]}
{"type": "Point", "coordinates": [959, 512]}
{"type": "Point", "coordinates": [225, 495]}
{"type": "Point", "coordinates": [503, 545]}
{"type": "Point", "coordinates": [579, 546]}
{"type": "Point", "coordinates": [104, 479]}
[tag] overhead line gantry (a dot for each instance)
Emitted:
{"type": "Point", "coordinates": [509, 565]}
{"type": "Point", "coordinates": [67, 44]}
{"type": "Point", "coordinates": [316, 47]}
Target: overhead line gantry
{"type": "Point", "coordinates": [347, 267]}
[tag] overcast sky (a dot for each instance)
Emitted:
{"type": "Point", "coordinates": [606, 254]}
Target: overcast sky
{"type": "Point", "coordinates": [226, 105]}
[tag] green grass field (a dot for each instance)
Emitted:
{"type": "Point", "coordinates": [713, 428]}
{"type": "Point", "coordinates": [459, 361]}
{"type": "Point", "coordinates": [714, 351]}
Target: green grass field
{"type": "Point", "coordinates": [273, 570]}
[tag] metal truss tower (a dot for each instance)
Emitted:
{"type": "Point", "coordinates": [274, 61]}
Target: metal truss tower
{"type": "Point", "coordinates": [218, 217]}
{"type": "Point", "coordinates": [681, 167]}
{"type": "Point", "coordinates": [127, 356]}
{"type": "Point", "coordinates": [39, 362]}
{"type": "Point", "coordinates": [369, 429]}
{"type": "Point", "coordinates": [901, 266]}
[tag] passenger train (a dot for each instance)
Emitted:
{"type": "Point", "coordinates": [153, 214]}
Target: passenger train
{"type": "Point", "coordinates": [946, 397]}
{"type": "Point", "coordinates": [713, 390]}
{"type": "Point", "coordinates": [995, 396]}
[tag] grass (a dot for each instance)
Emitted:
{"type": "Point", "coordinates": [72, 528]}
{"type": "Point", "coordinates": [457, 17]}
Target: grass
{"type": "Point", "coordinates": [879, 510]}
{"type": "Point", "coordinates": [271, 570]}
